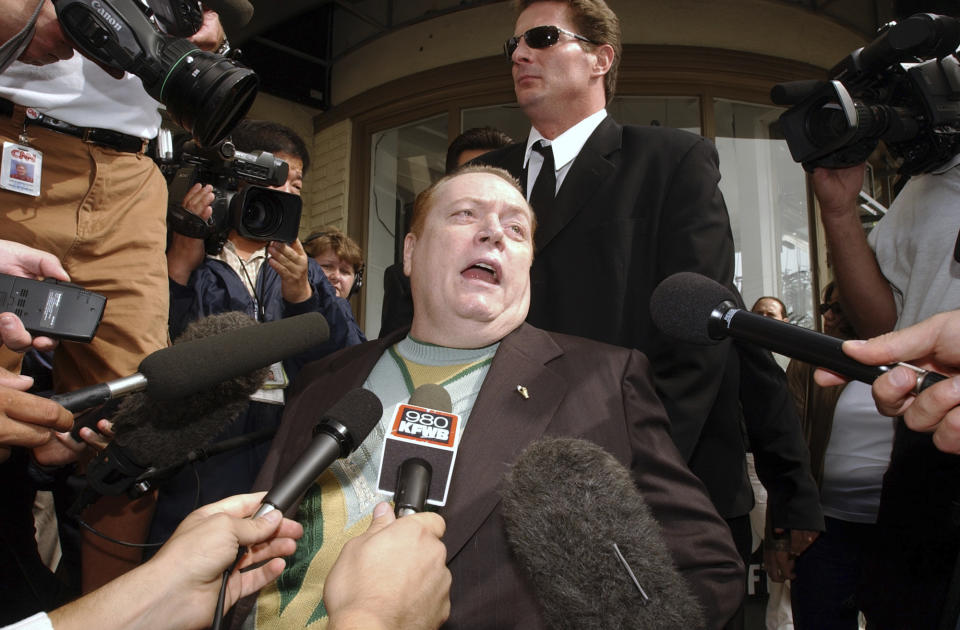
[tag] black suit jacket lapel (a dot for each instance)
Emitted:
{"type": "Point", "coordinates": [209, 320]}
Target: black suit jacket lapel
{"type": "Point", "coordinates": [591, 167]}
{"type": "Point", "coordinates": [502, 423]}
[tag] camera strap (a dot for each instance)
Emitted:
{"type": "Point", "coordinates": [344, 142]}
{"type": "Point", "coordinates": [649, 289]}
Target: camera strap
{"type": "Point", "coordinates": [14, 47]}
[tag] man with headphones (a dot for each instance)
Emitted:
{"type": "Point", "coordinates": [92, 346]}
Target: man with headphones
{"type": "Point", "coordinates": [268, 281]}
{"type": "Point", "coordinates": [340, 258]}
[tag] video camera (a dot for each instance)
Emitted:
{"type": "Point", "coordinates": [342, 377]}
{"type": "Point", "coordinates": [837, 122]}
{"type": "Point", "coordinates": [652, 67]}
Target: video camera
{"type": "Point", "coordinates": [254, 211]}
{"type": "Point", "coordinates": [205, 93]}
{"type": "Point", "coordinates": [902, 88]}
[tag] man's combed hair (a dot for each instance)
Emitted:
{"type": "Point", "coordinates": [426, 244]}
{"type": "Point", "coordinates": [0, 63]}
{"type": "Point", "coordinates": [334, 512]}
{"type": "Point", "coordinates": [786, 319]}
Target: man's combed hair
{"type": "Point", "coordinates": [595, 21]}
{"type": "Point", "coordinates": [477, 138]}
{"type": "Point", "coordinates": [423, 202]}
{"type": "Point", "coordinates": [263, 135]}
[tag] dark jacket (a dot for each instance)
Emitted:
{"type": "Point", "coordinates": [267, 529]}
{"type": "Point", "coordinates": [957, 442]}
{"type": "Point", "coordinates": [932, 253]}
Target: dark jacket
{"type": "Point", "coordinates": [637, 205]}
{"type": "Point", "coordinates": [577, 388]}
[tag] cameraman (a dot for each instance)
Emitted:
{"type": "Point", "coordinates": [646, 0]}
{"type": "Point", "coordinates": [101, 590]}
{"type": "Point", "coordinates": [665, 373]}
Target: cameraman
{"type": "Point", "coordinates": [98, 204]}
{"type": "Point", "coordinates": [266, 280]}
{"type": "Point", "coordinates": [904, 272]}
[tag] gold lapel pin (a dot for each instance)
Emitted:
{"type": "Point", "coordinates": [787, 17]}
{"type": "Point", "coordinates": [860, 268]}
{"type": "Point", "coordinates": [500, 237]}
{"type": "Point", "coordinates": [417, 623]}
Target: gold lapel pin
{"type": "Point", "coordinates": [523, 392]}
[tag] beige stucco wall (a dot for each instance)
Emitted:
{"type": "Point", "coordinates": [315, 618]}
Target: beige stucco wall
{"type": "Point", "coordinates": [768, 27]}
{"type": "Point", "coordinates": [329, 179]}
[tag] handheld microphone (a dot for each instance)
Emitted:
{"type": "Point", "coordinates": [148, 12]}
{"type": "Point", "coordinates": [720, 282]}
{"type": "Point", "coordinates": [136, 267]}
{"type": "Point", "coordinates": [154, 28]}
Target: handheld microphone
{"type": "Point", "coordinates": [586, 539]}
{"type": "Point", "coordinates": [338, 433]}
{"type": "Point", "coordinates": [419, 451]}
{"type": "Point", "coordinates": [693, 308]}
{"type": "Point", "coordinates": [220, 347]}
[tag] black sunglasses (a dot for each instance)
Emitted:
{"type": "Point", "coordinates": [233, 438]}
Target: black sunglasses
{"type": "Point", "coordinates": [540, 37]}
{"type": "Point", "coordinates": [832, 306]}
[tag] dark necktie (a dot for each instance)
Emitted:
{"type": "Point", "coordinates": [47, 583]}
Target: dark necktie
{"type": "Point", "coordinates": [545, 188]}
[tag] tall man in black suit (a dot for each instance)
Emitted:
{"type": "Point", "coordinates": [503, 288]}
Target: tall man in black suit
{"type": "Point", "coordinates": [620, 209]}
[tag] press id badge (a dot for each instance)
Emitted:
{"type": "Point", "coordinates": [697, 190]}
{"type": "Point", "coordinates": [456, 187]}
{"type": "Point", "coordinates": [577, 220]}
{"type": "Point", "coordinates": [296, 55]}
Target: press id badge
{"type": "Point", "coordinates": [20, 169]}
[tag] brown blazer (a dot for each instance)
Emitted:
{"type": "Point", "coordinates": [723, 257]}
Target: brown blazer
{"type": "Point", "coordinates": [577, 388]}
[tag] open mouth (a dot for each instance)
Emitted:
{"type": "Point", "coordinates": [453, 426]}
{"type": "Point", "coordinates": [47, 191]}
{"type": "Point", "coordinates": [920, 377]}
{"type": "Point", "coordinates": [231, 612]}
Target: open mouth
{"type": "Point", "coordinates": [482, 271]}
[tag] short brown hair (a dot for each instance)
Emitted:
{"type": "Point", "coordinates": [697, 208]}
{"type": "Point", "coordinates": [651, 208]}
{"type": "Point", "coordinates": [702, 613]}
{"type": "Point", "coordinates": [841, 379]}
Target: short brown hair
{"type": "Point", "coordinates": [476, 138]}
{"type": "Point", "coordinates": [423, 202]}
{"type": "Point", "coordinates": [598, 23]}
{"type": "Point", "coordinates": [332, 239]}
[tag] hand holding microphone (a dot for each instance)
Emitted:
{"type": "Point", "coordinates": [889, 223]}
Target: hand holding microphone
{"type": "Point", "coordinates": [933, 344]}
{"type": "Point", "coordinates": [392, 576]}
{"type": "Point", "coordinates": [693, 308]}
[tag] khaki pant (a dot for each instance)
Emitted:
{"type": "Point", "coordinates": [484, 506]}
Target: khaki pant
{"type": "Point", "coordinates": [103, 214]}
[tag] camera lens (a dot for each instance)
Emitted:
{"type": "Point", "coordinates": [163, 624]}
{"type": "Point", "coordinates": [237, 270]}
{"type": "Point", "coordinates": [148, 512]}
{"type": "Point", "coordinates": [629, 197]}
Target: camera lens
{"type": "Point", "coordinates": [205, 93]}
{"type": "Point", "coordinates": [261, 216]}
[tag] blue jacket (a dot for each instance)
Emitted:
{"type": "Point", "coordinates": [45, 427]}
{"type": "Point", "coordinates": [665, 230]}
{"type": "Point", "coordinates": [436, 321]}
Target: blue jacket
{"type": "Point", "coordinates": [215, 288]}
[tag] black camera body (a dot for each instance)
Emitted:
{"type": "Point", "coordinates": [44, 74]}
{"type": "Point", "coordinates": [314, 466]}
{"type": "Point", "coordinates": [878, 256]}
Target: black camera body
{"type": "Point", "coordinates": [903, 88]}
{"type": "Point", "coordinates": [205, 93]}
{"type": "Point", "coordinates": [253, 210]}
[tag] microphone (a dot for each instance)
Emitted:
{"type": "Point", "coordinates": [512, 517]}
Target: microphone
{"type": "Point", "coordinates": [220, 347]}
{"type": "Point", "coordinates": [419, 451]}
{"type": "Point", "coordinates": [344, 427]}
{"type": "Point", "coordinates": [586, 539]}
{"type": "Point", "coordinates": [693, 308]}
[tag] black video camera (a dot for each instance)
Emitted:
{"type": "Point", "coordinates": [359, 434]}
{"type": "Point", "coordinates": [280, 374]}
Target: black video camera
{"type": "Point", "coordinates": [206, 93]}
{"type": "Point", "coordinates": [254, 211]}
{"type": "Point", "coordinates": [902, 88]}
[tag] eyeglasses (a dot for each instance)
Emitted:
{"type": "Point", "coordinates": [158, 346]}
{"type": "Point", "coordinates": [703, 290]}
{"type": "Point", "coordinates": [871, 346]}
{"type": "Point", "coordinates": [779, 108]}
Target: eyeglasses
{"type": "Point", "coordinates": [540, 37]}
{"type": "Point", "coordinates": [831, 306]}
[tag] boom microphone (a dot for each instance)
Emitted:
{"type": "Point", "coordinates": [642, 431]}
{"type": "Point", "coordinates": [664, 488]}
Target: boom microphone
{"type": "Point", "coordinates": [151, 435]}
{"type": "Point", "coordinates": [338, 433]}
{"type": "Point", "coordinates": [693, 308]}
{"type": "Point", "coordinates": [588, 542]}
{"type": "Point", "coordinates": [188, 367]}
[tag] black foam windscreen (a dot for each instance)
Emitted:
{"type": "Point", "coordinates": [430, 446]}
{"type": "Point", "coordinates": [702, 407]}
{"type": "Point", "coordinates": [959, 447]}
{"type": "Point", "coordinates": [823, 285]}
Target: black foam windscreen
{"type": "Point", "coordinates": [681, 305]}
{"type": "Point", "coordinates": [358, 411]}
{"type": "Point", "coordinates": [566, 502]}
{"type": "Point", "coordinates": [193, 365]}
{"type": "Point", "coordinates": [432, 396]}
{"type": "Point", "coordinates": [160, 432]}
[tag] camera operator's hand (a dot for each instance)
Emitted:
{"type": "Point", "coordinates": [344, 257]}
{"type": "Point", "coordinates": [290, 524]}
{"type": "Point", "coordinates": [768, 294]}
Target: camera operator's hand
{"type": "Point", "coordinates": [210, 36]}
{"type": "Point", "coordinates": [26, 262]}
{"type": "Point", "coordinates": [184, 253]}
{"type": "Point", "coordinates": [49, 44]}
{"type": "Point", "coordinates": [290, 263]}
{"type": "Point", "coordinates": [865, 294]}
{"type": "Point", "coordinates": [837, 190]}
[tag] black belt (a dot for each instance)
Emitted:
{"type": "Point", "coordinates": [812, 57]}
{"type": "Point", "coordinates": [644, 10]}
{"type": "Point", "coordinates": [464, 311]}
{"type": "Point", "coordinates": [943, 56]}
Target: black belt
{"type": "Point", "coordinates": [92, 135]}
